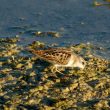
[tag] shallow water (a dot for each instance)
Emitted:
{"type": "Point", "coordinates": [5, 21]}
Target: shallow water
{"type": "Point", "coordinates": [77, 21]}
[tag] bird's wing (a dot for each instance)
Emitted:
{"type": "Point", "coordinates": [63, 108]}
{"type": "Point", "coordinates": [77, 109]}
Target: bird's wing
{"type": "Point", "coordinates": [55, 56]}
{"type": "Point", "coordinates": [58, 56]}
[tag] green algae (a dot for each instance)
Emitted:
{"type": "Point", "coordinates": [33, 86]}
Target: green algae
{"type": "Point", "coordinates": [27, 82]}
{"type": "Point", "coordinates": [101, 3]}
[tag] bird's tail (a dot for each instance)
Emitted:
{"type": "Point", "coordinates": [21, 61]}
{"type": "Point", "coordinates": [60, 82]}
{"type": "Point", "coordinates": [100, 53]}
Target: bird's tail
{"type": "Point", "coordinates": [34, 51]}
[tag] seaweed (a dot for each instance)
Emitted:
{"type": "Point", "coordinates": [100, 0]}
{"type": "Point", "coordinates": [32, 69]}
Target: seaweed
{"type": "Point", "coordinates": [26, 82]}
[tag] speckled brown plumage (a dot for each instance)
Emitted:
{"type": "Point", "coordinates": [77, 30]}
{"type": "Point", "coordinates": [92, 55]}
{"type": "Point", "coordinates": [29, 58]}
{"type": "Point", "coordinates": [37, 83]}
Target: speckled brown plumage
{"type": "Point", "coordinates": [60, 57]}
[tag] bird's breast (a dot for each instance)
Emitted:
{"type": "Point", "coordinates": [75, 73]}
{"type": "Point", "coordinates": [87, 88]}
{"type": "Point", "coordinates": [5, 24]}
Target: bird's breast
{"type": "Point", "coordinates": [70, 62]}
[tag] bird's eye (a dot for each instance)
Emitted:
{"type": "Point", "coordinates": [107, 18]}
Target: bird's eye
{"type": "Point", "coordinates": [83, 63]}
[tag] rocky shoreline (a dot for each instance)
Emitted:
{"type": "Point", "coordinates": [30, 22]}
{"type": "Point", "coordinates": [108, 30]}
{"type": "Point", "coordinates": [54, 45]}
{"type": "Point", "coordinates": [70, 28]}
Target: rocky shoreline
{"type": "Point", "coordinates": [27, 83]}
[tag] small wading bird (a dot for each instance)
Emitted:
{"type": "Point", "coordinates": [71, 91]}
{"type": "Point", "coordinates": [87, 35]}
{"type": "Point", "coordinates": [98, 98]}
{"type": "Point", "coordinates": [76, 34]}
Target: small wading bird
{"type": "Point", "coordinates": [60, 57]}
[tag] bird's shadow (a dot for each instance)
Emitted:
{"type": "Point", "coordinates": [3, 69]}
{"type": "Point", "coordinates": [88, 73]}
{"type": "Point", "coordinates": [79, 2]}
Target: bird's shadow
{"type": "Point", "coordinates": [41, 65]}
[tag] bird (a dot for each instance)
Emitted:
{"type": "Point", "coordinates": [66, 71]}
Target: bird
{"type": "Point", "coordinates": [60, 57]}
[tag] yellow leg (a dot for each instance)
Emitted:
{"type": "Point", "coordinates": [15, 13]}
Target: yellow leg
{"type": "Point", "coordinates": [54, 69]}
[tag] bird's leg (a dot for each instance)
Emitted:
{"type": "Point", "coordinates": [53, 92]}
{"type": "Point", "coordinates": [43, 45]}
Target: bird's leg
{"type": "Point", "coordinates": [54, 69]}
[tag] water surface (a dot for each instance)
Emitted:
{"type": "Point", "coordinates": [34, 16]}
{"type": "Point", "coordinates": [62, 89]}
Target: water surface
{"type": "Point", "coordinates": [78, 21]}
